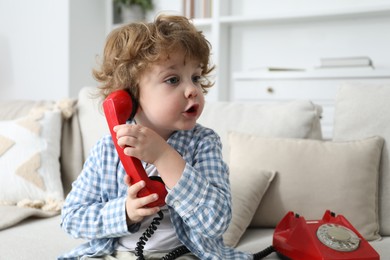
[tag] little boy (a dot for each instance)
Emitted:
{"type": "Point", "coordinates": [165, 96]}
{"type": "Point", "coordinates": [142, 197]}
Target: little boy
{"type": "Point", "coordinates": [164, 66]}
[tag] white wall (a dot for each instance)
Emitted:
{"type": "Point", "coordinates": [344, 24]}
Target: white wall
{"type": "Point", "coordinates": [33, 48]}
{"type": "Point", "coordinates": [87, 38]}
{"type": "Point", "coordinates": [47, 48]}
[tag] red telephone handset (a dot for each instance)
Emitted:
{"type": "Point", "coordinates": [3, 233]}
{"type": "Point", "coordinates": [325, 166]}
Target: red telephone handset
{"type": "Point", "coordinates": [117, 109]}
{"type": "Point", "coordinates": [332, 238]}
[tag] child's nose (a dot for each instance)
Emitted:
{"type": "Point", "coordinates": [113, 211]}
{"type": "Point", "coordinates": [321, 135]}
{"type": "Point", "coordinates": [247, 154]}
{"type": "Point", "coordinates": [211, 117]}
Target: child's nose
{"type": "Point", "coordinates": [191, 90]}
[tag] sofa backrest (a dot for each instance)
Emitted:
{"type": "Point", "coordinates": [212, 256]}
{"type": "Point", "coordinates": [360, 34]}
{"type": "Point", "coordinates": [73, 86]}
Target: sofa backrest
{"type": "Point", "coordinates": [81, 131]}
{"type": "Point", "coordinates": [297, 119]}
{"type": "Point", "coordinates": [92, 122]}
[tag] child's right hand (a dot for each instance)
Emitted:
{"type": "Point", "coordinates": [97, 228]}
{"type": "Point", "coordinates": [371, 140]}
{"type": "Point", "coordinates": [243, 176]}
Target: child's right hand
{"type": "Point", "coordinates": [135, 207]}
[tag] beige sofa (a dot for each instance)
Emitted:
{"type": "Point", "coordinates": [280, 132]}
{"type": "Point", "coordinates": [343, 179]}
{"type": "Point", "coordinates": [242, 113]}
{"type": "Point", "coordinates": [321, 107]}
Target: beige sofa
{"type": "Point", "coordinates": [278, 161]}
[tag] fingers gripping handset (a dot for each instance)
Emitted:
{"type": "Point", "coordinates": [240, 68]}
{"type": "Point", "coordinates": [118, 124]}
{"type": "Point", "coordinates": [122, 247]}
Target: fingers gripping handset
{"type": "Point", "coordinates": [118, 108]}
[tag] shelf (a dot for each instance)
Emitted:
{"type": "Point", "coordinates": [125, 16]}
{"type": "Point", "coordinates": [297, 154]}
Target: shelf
{"type": "Point", "coordinates": [308, 15]}
{"type": "Point", "coordinates": [202, 22]}
{"type": "Point", "coordinates": [335, 73]}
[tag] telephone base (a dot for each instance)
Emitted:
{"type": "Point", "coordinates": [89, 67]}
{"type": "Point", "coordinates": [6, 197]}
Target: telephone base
{"type": "Point", "coordinates": [331, 238]}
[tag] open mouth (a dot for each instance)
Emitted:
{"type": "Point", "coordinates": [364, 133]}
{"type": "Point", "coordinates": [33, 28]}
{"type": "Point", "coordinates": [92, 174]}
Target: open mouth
{"type": "Point", "coordinates": [192, 109]}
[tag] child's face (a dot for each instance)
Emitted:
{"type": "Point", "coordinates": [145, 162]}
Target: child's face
{"type": "Point", "coordinates": [171, 96]}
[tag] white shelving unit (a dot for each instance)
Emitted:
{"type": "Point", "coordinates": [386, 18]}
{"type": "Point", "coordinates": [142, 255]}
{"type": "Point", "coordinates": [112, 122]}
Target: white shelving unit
{"type": "Point", "coordinates": [350, 12]}
{"type": "Point", "coordinates": [226, 27]}
{"type": "Point", "coordinates": [327, 73]}
{"type": "Point", "coordinates": [246, 41]}
{"type": "Point", "coordinates": [248, 35]}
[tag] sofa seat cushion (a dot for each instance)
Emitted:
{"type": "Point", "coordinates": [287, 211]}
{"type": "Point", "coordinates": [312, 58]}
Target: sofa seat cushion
{"type": "Point", "coordinates": [36, 238]}
{"type": "Point", "coordinates": [257, 239]}
{"type": "Point", "coordinates": [313, 176]}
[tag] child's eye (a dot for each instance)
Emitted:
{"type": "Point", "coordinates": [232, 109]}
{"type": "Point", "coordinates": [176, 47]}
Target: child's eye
{"type": "Point", "coordinates": [197, 79]}
{"type": "Point", "coordinates": [172, 80]}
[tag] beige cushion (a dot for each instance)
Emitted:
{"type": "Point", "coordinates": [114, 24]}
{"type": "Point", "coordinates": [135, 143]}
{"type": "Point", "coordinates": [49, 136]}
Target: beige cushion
{"type": "Point", "coordinates": [362, 111]}
{"type": "Point", "coordinates": [248, 185]}
{"type": "Point", "coordinates": [313, 176]}
{"type": "Point", "coordinates": [296, 119]}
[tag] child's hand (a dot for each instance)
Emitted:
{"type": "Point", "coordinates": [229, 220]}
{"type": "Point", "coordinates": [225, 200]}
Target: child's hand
{"type": "Point", "coordinates": [141, 142]}
{"type": "Point", "coordinates": [135, 207]}
{"type": "Point", "coordinates": [146, 145]}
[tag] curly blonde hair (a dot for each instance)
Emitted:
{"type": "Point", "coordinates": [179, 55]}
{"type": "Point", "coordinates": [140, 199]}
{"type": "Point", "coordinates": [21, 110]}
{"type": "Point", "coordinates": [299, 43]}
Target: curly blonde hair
{"type": "Point", "coordinates": [130, 49]}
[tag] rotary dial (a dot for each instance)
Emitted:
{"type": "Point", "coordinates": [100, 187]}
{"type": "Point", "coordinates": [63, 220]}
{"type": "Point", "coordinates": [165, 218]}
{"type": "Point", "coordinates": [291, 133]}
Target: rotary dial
{"type": "Point", "coordinates": [338, 237]}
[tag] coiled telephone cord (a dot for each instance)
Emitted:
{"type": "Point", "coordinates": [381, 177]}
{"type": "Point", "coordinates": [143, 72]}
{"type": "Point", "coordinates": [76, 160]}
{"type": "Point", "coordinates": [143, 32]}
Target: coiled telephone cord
{"type": "Point", "coordinates": [263, 253]}
{"type": "Point", "coordinates": [139, 249]}
{"type": "Point", "coordinates": [175, 253]}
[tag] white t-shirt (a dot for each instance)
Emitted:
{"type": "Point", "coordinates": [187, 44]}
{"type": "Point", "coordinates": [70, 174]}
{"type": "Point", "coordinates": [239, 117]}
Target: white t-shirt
{"type": "Point", "coordinates": [163, 239]}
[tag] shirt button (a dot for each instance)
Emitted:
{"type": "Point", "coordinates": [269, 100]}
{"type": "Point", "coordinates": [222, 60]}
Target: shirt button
{"type": "Point", "coordinates": [176, 203]}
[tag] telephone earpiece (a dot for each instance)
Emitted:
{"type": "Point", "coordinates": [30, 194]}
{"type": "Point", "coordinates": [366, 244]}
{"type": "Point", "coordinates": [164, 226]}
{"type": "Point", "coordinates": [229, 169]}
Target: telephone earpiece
{"type": "Point", "coordinates": [134, 106]}
{"type": "Point", "coordinates": [118, 108]}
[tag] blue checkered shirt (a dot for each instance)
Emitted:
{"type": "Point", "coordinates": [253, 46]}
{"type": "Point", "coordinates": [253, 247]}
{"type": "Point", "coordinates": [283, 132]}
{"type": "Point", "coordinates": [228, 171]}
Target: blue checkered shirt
{"type": "Point", "coordinates": [200, 203]}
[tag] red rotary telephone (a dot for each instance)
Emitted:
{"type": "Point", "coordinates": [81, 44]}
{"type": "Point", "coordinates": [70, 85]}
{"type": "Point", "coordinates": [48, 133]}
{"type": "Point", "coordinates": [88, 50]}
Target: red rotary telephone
{"type": "Point", "coordinates": [331, 238]}
{"type": "Point", "coordinates": [118, 108]}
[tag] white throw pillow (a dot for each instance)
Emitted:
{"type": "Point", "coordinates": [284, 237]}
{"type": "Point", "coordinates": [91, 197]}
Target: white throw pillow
{"type": "Point", "coordinates": [313, 176]}
{"type": "Point", "coordinates": [29, 160]}
{"type": "Point", "coordinates": [248, 185]}
{"type": "Point", "coordinates": [362, 110]}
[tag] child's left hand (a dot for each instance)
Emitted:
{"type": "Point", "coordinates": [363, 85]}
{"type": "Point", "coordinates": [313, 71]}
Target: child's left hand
{"type": "Point", "coordinates": [145, 144]}
{"type": "Point", "coordinates": [141, 142]}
